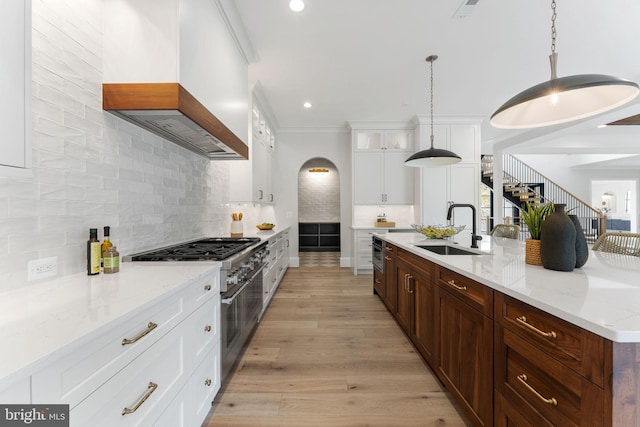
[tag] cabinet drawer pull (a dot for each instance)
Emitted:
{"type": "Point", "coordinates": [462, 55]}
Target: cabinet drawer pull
{"type": "Point", "coordinates": [207, 382]}
{"type": "Point", "coordinates": [388, 258]}
{"type": "Point", "coordinates": [207, 288]}
{"type": "Point", "coordinates": [150, 327]}
{"type": "Point", "coordinates": [453, 283]}
{"type": "Point", "coordinates": [207, 328]}
{"type": "Point", "coordinates": [409, 284]}
{"type": "Point", "coordinates": [150, 389]}
{"type": "Point", "coordinates": [523, 321]}
{"type": "Point", "coordinates": [388, 249]}
{"type": "Point", "coordinates": [523, 379]}
{"type": "Point", "coordinates": [378, 281]}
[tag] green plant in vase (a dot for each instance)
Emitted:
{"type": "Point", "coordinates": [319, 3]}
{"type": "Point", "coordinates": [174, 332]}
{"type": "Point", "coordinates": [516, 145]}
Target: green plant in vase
{"type": "Point", "coordinates": [533, 216]}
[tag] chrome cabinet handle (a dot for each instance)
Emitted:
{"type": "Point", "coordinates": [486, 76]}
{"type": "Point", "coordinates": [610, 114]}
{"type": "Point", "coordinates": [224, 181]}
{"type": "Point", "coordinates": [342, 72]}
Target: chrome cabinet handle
{"type": "Point", "coordinates": [150, 389]}
{"type": "Point", "coordinates": [378, 281]}
{"type": "Point", "coordinates": [409, 283]}
{"type": "Point", "coordinates": [523, 379]}
{"type": "Point", "coordinates": [388, 258]}
{"type": "Point", "coordinates": [207, 328]}
{"type": "Point", "coordinates": [523, 321]}
{"type": "Point", "coordinates": [150, 327]}
{"type": "Point", "coordinates": [453, 284]}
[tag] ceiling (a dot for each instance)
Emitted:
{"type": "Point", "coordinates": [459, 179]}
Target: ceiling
{"type": "Point", "coordinates": [364, 60]}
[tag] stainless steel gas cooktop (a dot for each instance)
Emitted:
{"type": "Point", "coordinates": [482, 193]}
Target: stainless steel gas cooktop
{"type": "Point", "coordinates": [209, 249]}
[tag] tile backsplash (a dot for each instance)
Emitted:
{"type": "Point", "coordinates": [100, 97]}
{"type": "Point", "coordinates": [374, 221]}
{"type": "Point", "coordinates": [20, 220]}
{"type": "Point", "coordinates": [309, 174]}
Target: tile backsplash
{"type": "Point", "coordinates": [92, 169]}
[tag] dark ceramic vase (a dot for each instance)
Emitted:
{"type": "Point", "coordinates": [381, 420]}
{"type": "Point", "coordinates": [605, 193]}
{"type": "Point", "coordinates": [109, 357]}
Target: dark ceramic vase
{"type": "Point", "coordinates": [558, 241]}
{"type": "Point", "coordinates": [582, 250]}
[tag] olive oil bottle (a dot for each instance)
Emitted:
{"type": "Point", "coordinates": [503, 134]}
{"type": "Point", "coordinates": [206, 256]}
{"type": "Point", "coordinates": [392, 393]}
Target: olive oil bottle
{"type": "Point", "coordinates": [93, 253]}
{"type": "Point", "coordinates": [106, 244]}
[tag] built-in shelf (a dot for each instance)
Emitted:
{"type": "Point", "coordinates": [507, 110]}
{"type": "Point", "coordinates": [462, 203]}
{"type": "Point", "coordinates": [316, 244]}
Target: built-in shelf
{"type": "Point", "coordinates": [319, 237]}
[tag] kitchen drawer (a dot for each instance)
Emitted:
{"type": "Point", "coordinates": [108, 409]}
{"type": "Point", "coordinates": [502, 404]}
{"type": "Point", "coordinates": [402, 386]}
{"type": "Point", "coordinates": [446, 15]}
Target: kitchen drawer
{"type": "Point", "coordinates": [418, 264]}
{"type": "Point", "coordinates": [473, 293]}
{"type": "Point", "coordinates": [389, 249]}
{"type": "Point", "coordinates": [530, 379]}
{"type": "Point", "coordinates": [203, 386]}
{"type": "Point", "coordinates": [162, 365]}
{"type": "Point", "coordinates": [580, 350]}
{"type": "Point", "coordinates": [363, 261]}
{"type": "Point", "coordinates": [204, 329]}
{"type": "Point", "coordinates": [205, 288]}
{"type": "Point", "coordinates": [364, 242]}
{"type": "Point", "coordinates": [81, 371]}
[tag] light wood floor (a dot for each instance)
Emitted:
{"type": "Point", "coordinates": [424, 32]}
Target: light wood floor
{"type": "Point", "coordinates": [327, 353]}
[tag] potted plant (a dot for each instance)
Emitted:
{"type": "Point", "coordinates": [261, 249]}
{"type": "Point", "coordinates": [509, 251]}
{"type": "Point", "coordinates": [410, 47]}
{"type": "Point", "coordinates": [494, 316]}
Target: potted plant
{"type": "Point", "coordinates": [533, 216]}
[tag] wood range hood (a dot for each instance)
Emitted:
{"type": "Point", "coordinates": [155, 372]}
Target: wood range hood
{"type": "Point", "coordinates": [168, 110]}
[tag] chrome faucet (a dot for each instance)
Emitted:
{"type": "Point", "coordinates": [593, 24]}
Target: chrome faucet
{"type": "Point", "coordinates": [474, 236]}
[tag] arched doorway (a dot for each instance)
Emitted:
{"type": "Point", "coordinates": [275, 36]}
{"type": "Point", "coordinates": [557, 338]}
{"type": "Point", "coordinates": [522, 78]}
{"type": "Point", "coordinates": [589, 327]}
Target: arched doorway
{"type": "Point", "coordinates": [319, 214]}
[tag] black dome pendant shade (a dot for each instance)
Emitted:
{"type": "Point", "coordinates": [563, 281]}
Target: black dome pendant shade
{"type": "Point", "coordinates": [561, 100]}
{"type": "Point", "coordinates": [432, 156]}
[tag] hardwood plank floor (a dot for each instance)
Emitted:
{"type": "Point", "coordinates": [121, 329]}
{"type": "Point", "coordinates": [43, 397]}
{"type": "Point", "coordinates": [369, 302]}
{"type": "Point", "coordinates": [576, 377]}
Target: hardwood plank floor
{"type": "Point", "coordinates": [328, 353]}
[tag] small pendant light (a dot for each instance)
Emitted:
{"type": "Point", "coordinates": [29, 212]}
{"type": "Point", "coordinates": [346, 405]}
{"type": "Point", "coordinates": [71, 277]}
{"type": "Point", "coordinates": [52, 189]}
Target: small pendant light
{"type": "Point", "coordinates": [432, 156]}
{"type": "Point", "coordinates": [564, 99]}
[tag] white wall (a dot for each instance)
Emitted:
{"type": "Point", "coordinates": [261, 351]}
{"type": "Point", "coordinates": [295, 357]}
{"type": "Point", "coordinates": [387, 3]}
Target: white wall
{"type": "Point", "coordinates": [293, 149]}
{"type": "Point", "coordinates": [91, 169]}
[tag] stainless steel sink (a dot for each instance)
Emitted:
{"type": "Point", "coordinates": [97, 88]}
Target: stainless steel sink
{"type": "Point", "coordinates": [447, 250]}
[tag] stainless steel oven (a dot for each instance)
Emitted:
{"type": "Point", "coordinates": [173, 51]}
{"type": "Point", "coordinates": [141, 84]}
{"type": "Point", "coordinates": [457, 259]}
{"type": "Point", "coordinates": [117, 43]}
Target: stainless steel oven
{"type": "Point", "coordinates": [377, 257]}
{"type": "Point", "coordinates": [241, 306]}
{"type": "Point", "coordinates": [243, 260]}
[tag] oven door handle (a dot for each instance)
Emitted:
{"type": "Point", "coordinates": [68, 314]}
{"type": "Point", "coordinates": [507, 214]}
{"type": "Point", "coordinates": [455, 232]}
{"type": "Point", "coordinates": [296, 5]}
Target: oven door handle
{"type": "Point", "coordinates": [229, 301]}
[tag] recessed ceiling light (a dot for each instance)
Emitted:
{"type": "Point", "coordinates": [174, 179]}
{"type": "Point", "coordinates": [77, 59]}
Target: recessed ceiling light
{"type": "Point", "coordinates": [307, 105]}
{"type": "Point", "coordinates": [296, 5]}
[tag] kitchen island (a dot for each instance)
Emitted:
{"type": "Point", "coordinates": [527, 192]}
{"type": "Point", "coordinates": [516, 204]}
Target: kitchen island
{"type": "Point", "coordinates": [518, 344]}
{"type": "Point", "coordinates": [96, 342]}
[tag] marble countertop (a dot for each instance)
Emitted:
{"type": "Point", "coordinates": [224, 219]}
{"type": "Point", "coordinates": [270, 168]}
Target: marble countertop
{"type": "Point", "coordinates": [37, 321]}
{"type": "Point", "coordinates": [602, 297]}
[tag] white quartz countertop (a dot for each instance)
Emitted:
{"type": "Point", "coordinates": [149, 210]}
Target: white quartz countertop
{"type": "Point", "coordinates": [602, 297]}
{"type": "Point", "coordinates": [39, 320]}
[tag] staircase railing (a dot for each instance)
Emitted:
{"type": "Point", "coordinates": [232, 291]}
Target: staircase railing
{"type": "Point", "coordinates": [537, 188]}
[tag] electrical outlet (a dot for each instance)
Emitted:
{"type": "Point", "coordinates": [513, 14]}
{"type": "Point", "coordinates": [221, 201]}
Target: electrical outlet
{"type": "Point", "coordinates": [41, 268]}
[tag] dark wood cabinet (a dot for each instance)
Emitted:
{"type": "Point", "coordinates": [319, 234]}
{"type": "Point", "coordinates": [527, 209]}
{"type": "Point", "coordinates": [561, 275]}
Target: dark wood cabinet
{"type": "Point", "coordinates": [465, 355]}
{"type": "Point", "coordinates": [391, 291]}
{"type": "Point", "coordinates": [505, 362]}
{"type": "Point", "coordinates": [546, 368]}
{"type": "Point", "coordinates": [404, 308]}
{"type": "Point", "coordinates": [378, 283]}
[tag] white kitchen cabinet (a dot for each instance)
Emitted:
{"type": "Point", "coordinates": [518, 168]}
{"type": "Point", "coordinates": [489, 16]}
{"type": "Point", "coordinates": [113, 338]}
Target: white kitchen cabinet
{"type": "Point", "coordinates": [165, 344]}
{"type": "Point", "coordinates": [203, 386]}
{"type": "Point", "coordinates": [157, 374]}
{"type": "Point", "coordinates": [251, 180]}
{"type": "Point", "coordinates": [379, 173]}
{"type": "Point", "coordinates": [362, 250]}
{"type": "Point", "coordinates": [15, 85]}
{"type": "Point", "coordinates": [277, 264]}
{"type": "Point", "coordinates": [459, 183]}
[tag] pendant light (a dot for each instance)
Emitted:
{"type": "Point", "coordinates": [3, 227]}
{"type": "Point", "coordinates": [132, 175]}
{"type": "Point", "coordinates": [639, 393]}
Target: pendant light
{"type": "Point", "coordinates": [564, 99]}
{"type": "Point", "coordinates": [432, 156]}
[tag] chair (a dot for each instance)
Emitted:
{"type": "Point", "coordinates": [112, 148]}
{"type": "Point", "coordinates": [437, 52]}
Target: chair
{"type": "Point", "coordinates": [510, 231]}
{"type": "Point", "coordinates": [618, 243]}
